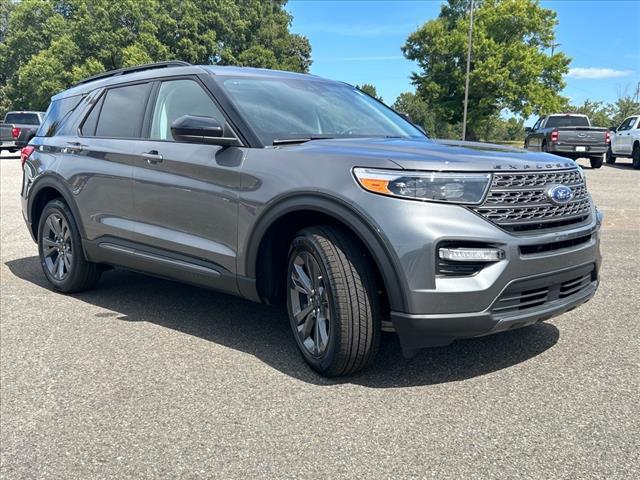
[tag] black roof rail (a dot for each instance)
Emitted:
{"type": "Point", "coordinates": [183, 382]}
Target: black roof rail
{"type": "Point", "coordinates": [137, 68]}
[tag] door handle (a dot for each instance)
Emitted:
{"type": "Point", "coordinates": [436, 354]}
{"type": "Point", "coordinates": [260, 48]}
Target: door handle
{"type": "Point", "coordinates": [74, 147]}
{"type": "Point", "coordinates": [152, 157]}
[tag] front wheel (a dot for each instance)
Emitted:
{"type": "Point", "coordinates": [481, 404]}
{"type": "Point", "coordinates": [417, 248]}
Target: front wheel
{"type": "Point", "coordinates": [332, 300]}
{"type": "Point", "coordinates": [60, 250]}
{"type": "Point", "coordinates": [596, 162]}
{"type": "Point", "coordinates": [635, 155]}
{"type": "Point", "coordinates": [611, 159]}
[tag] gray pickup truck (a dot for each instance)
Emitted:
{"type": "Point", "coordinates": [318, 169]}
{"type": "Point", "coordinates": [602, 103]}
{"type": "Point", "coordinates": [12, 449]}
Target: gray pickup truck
{"type": "Point", "coordinates": [18, 128]}
{"type": "Point", "coordinates": [569, 135]}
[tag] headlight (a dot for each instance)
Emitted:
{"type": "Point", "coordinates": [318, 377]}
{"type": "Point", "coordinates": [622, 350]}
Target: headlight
{"type": "Point", "coordinates": [431, 186]}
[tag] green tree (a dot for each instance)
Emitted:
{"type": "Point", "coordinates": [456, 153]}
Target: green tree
{"type": "Point", "coordinates": [369, 89]}
{"type": "Point", "coordinates": [510, 69]}
{"type": "Point", "coordinates": [625, 106]}
{"type": "Point", "coordinates": [418, 111]}
{"type": "Point", "coordinates": [599, 113]}
{"type": "Point", "coordinates": [50, 44]}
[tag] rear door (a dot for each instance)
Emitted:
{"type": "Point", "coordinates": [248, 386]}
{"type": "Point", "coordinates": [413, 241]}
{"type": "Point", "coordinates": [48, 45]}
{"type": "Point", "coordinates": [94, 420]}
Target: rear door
{"type": "Point", "coordinates": [104, 154]}
{"type": "Point", "coordinates": [186, 194]}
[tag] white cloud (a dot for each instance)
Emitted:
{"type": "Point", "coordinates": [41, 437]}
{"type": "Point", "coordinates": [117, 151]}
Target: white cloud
{"type": "Point", "coordinates": [594, 72]}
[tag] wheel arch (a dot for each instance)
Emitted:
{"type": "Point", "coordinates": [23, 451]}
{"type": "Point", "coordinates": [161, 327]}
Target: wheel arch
{"type": "Point", "coordinates": [44, 190]}
{"type": "Point", "coordinates": [281, 220]}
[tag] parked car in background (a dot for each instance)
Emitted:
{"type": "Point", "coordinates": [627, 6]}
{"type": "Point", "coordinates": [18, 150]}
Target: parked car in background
{"type": "Point", "coordinates": [625, 141]}
{"type": "Point", "coordinates": [290, 189]}
{"type": "Point", "coordinates": [569, 135]}
{"type": "Point", "coordinates": [18, 128]}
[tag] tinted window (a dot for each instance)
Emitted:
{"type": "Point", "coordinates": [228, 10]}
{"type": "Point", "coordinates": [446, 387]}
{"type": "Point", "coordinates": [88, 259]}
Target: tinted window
{"type": "Point", "coordinates": [57, 113]}
{"type": "Point", "coordinates": [287, 108]}
{"type": "Point", "coordinates": [122, 112]}
{"type": "Point", "coordinates": [22, 118]}
{"type": "Point", "coordinates": [177, 98]}
{"type": "Point", "coordinates": [88, 128]}
{"type": "Point", "coordinates": [626, 125]}
{"type": "Point", "coordinates": [567, 121]}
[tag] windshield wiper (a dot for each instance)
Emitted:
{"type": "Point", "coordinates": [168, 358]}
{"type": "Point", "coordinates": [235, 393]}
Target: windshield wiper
{"type": "Point", "coordinates": [284, 141]}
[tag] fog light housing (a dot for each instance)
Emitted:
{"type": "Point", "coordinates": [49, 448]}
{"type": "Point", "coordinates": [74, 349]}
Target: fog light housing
{"type": "Point", "coordinates": [464, 254]}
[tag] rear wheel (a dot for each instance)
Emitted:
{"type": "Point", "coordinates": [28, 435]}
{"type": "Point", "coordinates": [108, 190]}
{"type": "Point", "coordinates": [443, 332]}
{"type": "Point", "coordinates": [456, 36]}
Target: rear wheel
{"type": "Point", "coordinates": [635, 155]}
{"type": "Point", "coordinates": [60, 250]}
{"type": "Point", "coordinates": [332, 300]}
{"type": "Point", "coordinates": [596, 162]}
{"type": "Point", "coordinates": [610, 156]}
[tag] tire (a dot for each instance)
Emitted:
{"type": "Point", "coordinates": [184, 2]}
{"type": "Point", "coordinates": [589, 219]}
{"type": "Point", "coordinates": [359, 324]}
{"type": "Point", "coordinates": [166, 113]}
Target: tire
{"type": "Point", "coordinates": [60, 249]}
{"type": "Point", "coordinates": [340, 333]}
{"type": "Point", "coordinates": [596, 162]}
{"type": "Point", "coordinates": [543, 148]}
{"type": "Point", "coordinates": [635, 156]}
{"type": "Point", "coordinates": [611, 159]}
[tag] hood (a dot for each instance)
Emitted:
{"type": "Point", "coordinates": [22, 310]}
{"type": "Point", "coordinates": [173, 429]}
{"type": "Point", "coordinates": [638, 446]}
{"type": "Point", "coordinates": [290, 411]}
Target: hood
{"type": "Point", "coordinates": [438, 155]}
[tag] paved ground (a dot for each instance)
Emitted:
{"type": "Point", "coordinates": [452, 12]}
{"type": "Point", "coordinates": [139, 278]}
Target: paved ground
{"type": "Point", "coordinates": [145, 378]}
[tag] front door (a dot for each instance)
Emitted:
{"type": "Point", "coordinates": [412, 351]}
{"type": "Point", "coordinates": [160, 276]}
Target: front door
{"type": "Point", "coordinates": [186, 194]}
{"type": "Point", "coordinates": [623, 137]}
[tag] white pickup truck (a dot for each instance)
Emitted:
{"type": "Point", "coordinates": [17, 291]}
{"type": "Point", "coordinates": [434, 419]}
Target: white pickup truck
{"type": "Point", "coordinates": [625, 141]}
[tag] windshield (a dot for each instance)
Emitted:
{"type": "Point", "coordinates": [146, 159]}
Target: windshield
{"type": "Point", "coordinates": [567, 121]}
{"type": "Point", "coordinates": [283, 108]}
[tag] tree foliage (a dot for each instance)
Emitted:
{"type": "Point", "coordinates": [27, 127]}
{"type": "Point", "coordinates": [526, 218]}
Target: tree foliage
{"type": "Point", "coordinates": [611, 114]}
{"type": "Point", "coordinates": [599, 113]}
{"type": "Point", "coordinates": [510, 69]}
{"type": "Point", "coordinates": [369, 89]}
{"type": "Point", "coordinates": [50, 44]}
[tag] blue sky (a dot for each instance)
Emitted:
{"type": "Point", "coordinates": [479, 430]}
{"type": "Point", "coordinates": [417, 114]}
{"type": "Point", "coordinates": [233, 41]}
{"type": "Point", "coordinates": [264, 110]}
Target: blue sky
{"type": "Point", "coordinates": [359, 42]}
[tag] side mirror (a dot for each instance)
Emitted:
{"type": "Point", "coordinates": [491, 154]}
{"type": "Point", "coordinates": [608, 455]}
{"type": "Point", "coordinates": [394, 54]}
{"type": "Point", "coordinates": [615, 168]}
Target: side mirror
{"type": "Point", "coordinates": [613, 129]}
{"type": "Point", "coordinates": [528, 129]}
{"type": "Point", "coordinates": [405, 116]}
{"type": "Point", "coordinates": [196, 129]}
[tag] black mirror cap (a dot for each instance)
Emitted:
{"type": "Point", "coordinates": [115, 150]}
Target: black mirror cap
{"type": "Point", "coordinates": [198, 129]}
{"type": "Point", "coordinates": [406, 116]}
{"type": "Point", "coordinates": [196, 126]}
{"type": "Point", "coordinates": [613, 129]}
{"type": "Point", "coordinates": [528, 129]}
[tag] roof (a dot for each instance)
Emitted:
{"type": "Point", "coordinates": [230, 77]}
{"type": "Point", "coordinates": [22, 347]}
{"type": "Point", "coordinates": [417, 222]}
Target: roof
{"type": "Point", "coordinates": [166, 69]}
{"type": "Point", "coordinates": [257, 72]}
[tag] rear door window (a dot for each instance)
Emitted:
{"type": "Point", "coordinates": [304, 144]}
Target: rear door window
{"type": "Point", "coordinates": [120, 113]}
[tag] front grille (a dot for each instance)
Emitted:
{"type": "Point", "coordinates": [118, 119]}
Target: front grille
{"type": "Point", "coordinates": [528, 294]}
{"type": "Point", "coordinates": [518, 201]}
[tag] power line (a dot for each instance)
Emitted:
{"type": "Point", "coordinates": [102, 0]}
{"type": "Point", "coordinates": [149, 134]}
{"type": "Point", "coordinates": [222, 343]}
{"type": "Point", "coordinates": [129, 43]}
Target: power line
{"type": "Point", "coordinates": [466, 81]}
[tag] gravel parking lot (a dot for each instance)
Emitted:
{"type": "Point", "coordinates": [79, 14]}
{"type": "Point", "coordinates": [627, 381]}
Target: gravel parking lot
{"type": "Point", "coordinates": [146, 378]}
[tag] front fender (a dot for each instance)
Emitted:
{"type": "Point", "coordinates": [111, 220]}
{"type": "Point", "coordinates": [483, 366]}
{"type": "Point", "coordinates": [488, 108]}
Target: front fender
{"type": "Point", "coordinates": [363, 226]}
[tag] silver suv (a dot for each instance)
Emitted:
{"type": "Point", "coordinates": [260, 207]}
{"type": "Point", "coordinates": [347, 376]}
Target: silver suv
{"type": "Point", "coordinates": [290, 189]}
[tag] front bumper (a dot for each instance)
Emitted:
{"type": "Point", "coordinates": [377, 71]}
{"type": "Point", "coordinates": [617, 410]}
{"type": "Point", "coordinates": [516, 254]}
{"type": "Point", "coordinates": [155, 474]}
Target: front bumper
{"type": "Point", "coordinates": [438, 309]}
{"type": "Point", "coordinates": [420, 331]}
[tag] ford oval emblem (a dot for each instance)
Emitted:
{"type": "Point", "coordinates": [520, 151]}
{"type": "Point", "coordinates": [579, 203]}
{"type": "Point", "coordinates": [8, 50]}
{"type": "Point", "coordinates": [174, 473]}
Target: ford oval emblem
{"type": "Point", "coordinates": [559, 194]}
